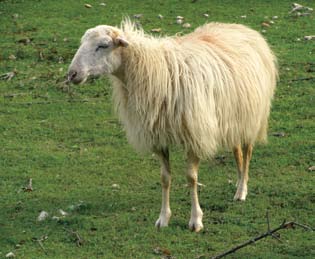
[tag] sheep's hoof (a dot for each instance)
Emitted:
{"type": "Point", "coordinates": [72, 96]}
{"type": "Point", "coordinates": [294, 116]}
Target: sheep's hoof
{"type": "Point", "coordinates": [195, 225]}
{"type": "Point", "coordinates": [160, 223]}
{"type": "Point", "coordinates": [163, 221]}
{"type": "Point", "coordinates": [240, 194]}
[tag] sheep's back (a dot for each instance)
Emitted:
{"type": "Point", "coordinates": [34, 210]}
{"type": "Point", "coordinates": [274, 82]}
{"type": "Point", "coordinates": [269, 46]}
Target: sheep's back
{"type": "Point", "coordinates": [243, 70]}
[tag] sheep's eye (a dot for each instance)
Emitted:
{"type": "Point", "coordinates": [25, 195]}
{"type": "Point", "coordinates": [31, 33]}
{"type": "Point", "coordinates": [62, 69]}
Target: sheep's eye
{"type": "Point", "coordinates": [103, 46]}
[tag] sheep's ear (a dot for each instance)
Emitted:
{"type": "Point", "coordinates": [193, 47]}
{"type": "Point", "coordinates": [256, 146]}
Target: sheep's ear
{"type": "Point", "coordinates": [120, 41]}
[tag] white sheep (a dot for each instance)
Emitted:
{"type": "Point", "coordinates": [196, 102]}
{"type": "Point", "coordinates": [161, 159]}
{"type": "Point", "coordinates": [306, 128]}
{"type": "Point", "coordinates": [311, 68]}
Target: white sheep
{"type": "Point", "coordinates": [209, 89]}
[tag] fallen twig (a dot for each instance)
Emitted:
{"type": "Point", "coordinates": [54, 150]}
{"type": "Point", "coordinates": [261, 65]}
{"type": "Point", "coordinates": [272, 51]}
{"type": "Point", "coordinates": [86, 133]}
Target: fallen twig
{"type": "Point", "coordinates": [40, 242]}
{"type": "Point", "coordinates": [278, 134]}
{"type": "Point", "coordinates": [78, 239]}
{"type": "Point", "coordinates": [297, 7]}
{"type": "Point", "coordinates": [13, 95]}
{"type": "Point", "coordinates": [304, 226]}
{"type": "Point", "coordinates": [270, 232]}
{"type": "Point", "coordinates": [8, 76]}
{"type": "Point", "coordinates": [29, 187]}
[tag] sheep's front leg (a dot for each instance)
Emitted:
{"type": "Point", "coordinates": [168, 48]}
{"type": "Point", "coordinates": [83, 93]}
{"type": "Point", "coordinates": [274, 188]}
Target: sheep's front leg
{"type": "Point", "coordinates": [165, 213]}
{"type": "Point", "coordinates": [195, 222]}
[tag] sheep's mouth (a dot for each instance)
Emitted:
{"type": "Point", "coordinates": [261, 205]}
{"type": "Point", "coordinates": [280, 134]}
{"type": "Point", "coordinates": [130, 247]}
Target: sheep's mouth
{"type": "Point", "coordinates": [76, 77]}
{"type": "Point", "coordinates": [80, 81]}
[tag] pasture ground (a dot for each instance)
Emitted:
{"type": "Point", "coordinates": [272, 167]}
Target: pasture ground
{"type": "Point", "coordinates": [71, 144]}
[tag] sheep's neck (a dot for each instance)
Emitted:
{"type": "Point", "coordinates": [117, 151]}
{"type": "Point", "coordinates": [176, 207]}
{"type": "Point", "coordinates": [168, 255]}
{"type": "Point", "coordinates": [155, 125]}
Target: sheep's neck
{"type": "Point", "coordinates": [120, 72]}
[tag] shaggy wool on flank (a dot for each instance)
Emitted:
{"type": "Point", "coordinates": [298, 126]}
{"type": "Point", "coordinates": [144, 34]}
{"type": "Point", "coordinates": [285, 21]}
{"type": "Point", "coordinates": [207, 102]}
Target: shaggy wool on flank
{"type": "Point", "coordinates": [208, 89]}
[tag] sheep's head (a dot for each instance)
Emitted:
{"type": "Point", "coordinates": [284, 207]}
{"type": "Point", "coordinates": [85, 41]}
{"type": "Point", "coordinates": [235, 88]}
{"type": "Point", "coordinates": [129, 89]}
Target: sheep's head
{"type": "Point", "coordinates": [99, 53]}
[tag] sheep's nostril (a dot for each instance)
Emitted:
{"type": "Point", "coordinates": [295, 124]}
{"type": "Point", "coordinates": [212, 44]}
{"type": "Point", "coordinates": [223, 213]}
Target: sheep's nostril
{"type": "Point", "coordinates": [71, 75]}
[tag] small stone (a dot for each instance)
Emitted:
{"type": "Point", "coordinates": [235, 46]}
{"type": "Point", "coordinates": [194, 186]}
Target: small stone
{"type": "Point", "coordinates": [115, 186]}
{"type": "Point", "coordinates": [186, 25]}
{"type": "Point", "coordinates": [63, 213]}
{"type": "Point", "coordinates": [271, 22]}
{"type": "Point", "coordinates": [42, 216]}
{"type": "Point", "coordinates": [102, 4]}
{"type": "Point", "coordinates": [312, 168]}
{"type": "Point", "coordinates": [179, 21]}
{"type": "Point", "coordinates": [275, 17]}
{"type": "Point", "coordinates": [309, 37]}
{"type": "Point", "coordinates": [88, 6]}
{"type": "Point", "coordinates": [206, 15]}
{"type": "Point", "coordinates": [263, 31]}
{"type": "Point", "coordinates": [160, 16]}
{"type": "Point", "coordinates": [244, 16]}
{"type": "Point", "coordinates": [156, 30]}
{"type": "Point", "coordinates": [265, 24]}
{"type": "Point", "coordinates": [10, 255]}
{"type": "Point", "coordinates": [12, 57]}
{"type": "Point", "coordinates": [179, 17]}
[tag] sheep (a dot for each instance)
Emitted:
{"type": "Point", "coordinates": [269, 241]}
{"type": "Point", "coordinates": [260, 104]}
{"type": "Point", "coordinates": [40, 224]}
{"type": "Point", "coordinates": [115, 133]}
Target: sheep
{"type": "Point", "coordinates": [206, 90]}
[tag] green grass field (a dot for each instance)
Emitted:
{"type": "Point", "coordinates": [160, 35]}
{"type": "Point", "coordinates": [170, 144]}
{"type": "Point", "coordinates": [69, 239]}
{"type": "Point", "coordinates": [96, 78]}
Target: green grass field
{"type": "Point", "coordinates": [69, 141]}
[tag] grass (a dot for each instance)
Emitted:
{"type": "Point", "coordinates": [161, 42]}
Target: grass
{"type": "Point", "coordinates": [74, 149]}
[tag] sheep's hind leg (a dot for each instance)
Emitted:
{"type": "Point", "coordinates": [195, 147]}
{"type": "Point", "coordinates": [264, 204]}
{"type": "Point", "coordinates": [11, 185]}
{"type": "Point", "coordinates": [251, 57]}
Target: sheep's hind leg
{"type": "Point", "coordinates": [165, 213]}
{"type": "Point", "coordinates": [195, 222]}
{"type": "Point", "coordinates": [238, 155]}
{"type": "Point", "coordinates": [243, 158]}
